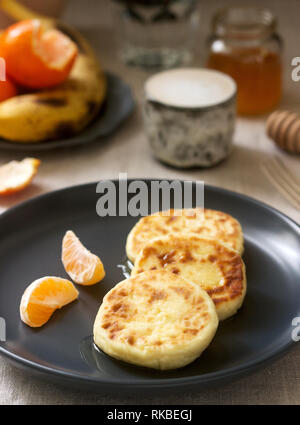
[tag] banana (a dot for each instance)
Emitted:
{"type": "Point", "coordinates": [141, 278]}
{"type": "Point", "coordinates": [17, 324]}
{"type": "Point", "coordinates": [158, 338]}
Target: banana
{"type": "Point", "coordinates": [61, 111]}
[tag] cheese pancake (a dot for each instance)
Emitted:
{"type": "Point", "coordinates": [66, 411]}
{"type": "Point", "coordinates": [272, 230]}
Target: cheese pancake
{"type": "Point", "coordinates": [215, 267]}
{"type": "Point", "coordinates": [205, 223]}
{"type": "Point", "coordinates": [156, 319]}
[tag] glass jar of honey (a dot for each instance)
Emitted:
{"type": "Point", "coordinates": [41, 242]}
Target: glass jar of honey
{"type": "Point", "coordinates": [245, 45]}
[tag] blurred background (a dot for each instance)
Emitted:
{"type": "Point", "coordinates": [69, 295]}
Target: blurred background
{"type": "Point", "coordinates": [128, 149]}
{"type": "Point", "coordinates": [96, 19]}
{"type": "Point", "coordinates": [99, 21]}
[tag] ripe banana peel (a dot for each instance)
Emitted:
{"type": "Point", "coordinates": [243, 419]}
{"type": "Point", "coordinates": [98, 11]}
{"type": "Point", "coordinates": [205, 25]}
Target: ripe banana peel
{"type": "Point", "coordinates": [61, 111]}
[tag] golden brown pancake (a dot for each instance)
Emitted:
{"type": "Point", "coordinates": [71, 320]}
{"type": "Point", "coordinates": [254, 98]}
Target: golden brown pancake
{"type": "Point", "coordinates": [209, 224]}
{"type": "Point", "coordinates": [156, 319]}
{"type": "Point", "coordinates": [215, 267]}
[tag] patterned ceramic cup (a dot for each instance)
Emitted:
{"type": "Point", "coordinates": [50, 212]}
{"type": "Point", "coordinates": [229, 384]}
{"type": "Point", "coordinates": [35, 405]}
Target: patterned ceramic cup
{"type": "Point", "coordinates": [189, 116]}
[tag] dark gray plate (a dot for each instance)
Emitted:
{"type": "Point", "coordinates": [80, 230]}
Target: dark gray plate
{"type": "Point", "coordinates": [118, 106]}
{"type": "Point", "coordinates": [30, 247]}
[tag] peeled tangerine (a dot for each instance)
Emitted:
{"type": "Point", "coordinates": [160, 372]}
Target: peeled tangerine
{"type": "Point", "coordinates": [16, 175]}
{"type": "Point", "coordinates": [43, 297]}
{"type": "Point", "coordinates": [81, 265]}
{"type": "Point", "coordinates": [37, 57]}
{"type": "Point", "coordinates": [7, 89]}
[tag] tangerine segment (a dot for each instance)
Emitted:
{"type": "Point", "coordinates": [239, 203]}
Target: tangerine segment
{"type": "Point", "coordinates": [81, 265]}
{"type": "Point", "coordinates": [16, 175]}
{"type": "Point", "coordinates": [7, 89]}
{"type": "Point", "coordinates": [35, 57]}
{"type": "Point", "coordinates": [43, 297]}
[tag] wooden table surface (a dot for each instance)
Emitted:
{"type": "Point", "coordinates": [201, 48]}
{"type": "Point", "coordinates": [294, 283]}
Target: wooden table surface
{"type": "Point", "coordinates": [127, 151]}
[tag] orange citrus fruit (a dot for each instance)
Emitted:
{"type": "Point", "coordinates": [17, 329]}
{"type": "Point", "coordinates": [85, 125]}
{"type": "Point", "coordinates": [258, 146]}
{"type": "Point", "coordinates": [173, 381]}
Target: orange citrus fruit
{"type": "Point", "coordinates": [81, 265]}
{"type": "Point", "coordinates": [7, 89]}
{"type": "Point", "coordinates": [16, 175]}
{"type": "Point", "coordinates": [43, 297]}
{"type": "Point", "coordinates": [35, 57]}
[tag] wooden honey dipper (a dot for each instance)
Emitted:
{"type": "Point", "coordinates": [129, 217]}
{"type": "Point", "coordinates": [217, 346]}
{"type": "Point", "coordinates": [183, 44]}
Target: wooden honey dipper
{"type": "Point", "coordinates": [284, 128]}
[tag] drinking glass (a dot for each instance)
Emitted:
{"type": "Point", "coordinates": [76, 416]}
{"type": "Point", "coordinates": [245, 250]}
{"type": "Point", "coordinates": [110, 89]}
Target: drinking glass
{"type": "Point", "coordinates": [156, 33]}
